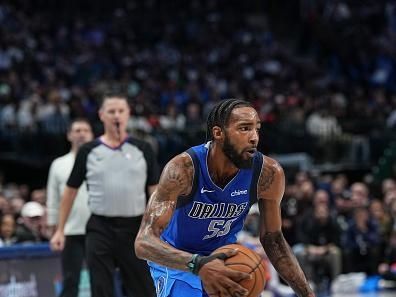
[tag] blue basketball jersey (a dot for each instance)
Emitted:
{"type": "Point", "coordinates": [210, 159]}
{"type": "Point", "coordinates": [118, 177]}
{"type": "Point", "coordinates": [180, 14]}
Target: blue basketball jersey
{"type": "Point", "coordinates": [210, 216]}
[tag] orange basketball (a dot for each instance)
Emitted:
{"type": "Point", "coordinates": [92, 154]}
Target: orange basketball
{"type": "Point", "coordinates": [246, 260]}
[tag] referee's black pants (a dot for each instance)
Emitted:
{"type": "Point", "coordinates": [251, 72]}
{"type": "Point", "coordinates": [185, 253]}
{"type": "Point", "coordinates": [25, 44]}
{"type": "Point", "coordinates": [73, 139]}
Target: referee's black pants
{"type": "Point", "coordinates": [110, 244]}
{"type": "Point", "coordinates": [72, 259]}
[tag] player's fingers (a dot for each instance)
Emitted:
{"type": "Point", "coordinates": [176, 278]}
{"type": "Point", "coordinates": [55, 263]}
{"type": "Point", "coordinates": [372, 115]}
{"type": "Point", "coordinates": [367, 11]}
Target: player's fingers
{"type": "Point", "coordinates": [235, 289]}
{"type": "Point", "coordinates": [230, 253]}
{"type": "Point", "coordinates": [237, 276]}
{"type": "Point", "coordinates": [224, 293]}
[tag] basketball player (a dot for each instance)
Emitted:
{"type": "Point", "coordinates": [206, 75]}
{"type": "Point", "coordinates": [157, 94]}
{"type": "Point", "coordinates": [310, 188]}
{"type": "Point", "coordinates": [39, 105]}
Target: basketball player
{"type": "Point", "coordinates": [202, 199]}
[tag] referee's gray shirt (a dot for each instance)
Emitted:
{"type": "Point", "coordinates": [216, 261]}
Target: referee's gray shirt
{"type": "Point", "coordinates": [116, 178]}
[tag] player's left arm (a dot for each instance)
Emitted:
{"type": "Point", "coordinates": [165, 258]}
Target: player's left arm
{"type": "Point", "coordinates": [270, 190]}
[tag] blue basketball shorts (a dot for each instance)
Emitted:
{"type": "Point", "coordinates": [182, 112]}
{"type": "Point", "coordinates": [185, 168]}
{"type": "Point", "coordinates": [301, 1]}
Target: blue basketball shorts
{"type": "Point", "coordinates": [175, 283]}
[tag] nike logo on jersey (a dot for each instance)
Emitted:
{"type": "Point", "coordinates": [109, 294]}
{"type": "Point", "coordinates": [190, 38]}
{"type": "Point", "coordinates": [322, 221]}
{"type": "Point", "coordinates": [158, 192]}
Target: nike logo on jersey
{"type": "Point", "coordinates": [203, 190]}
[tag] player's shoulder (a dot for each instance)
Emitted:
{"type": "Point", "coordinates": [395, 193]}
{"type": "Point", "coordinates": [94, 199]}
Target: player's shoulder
{"type": "Point", "coordinates": [271, 165]}
{"type": "Point", "coordinates": [184, 160]}
{"type": "Point", "coordinates": [271, 184]}
{"type": "Point", "coordinates": [181, 164]}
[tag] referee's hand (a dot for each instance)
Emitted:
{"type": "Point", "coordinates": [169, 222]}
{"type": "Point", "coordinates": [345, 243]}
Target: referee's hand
{"type": "Point", "coordinates": [57, 242]}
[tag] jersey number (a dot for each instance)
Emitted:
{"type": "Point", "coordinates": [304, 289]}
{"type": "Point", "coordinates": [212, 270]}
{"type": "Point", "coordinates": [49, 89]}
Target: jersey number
{"type": "Point", "coordinates": [218, 228]}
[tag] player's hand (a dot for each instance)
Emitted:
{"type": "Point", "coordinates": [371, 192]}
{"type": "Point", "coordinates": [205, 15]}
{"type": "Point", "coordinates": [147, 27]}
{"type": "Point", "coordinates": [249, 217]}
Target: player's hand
{"type": "Point", "coordinates": [57, 242]}
{"type": "Point", "coordinates": [220, 281]}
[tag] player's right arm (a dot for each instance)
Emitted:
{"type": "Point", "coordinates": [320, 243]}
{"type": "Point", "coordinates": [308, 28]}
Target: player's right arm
{"type": "Point", "coordinates": [176, 180]}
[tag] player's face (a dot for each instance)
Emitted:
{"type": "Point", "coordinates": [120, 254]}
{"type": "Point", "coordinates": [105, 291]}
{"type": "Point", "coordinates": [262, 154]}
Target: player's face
{"type": "Point", "coordinates": [114, 110]}
{"type": "Point", "coordinates": [242, 136]}
{"type": "Point", "coordinates": [80, 133]}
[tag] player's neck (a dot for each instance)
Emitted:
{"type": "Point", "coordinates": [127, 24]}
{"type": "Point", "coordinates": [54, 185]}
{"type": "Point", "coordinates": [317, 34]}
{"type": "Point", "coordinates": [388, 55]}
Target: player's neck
{"type": "Point", "coordinates": [221, 169]}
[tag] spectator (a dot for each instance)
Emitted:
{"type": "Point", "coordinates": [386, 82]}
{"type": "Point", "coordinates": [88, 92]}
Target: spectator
{"type": "Point", "coordinates": [39, 195]}
{"type": "Point", "coordinates": [388, 185]}
{"type": "Point", "coordinates": [7, 230]}
{"type": "Point", "coordinates": [361, 245]}
{"type": "Point", "coordinates": [383, 220]}
{"type": "Point", "coordinates": [326, 129]}
{"type": "Point", "coordinates": [347, 201]}
{"type": "Point", "coordinates": [319, 254]}
{"type": "Point", "coordinates": [29, 227]}
{"type": "Point", "coordinates": [4, 204]}
{"type": "Point", "coordinates": [387, 268]}
{"type": "Point", "coordinates": [16, 204]}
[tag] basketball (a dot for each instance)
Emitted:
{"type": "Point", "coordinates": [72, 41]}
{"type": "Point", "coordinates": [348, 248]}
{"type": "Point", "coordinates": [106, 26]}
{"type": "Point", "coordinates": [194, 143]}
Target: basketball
{"type": "Point", "coordinates": [246, 260]}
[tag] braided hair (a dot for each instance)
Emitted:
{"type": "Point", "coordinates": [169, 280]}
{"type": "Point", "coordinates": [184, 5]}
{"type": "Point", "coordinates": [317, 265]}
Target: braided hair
{"type": "Point", "coordinates": [220, 114]}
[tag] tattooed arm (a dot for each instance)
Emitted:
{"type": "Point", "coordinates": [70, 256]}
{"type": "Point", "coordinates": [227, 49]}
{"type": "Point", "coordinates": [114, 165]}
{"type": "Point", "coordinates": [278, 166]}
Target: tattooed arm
{"type": "Point", "coordinates": [270, 191]}
{"type": "Point", "coordinates": [176, 180]}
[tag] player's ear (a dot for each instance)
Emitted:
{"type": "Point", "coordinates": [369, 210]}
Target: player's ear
{"type": "Point", "coordinates": [217, 132]}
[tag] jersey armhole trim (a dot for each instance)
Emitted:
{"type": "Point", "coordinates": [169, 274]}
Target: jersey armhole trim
{"type": "Point", "coordinates": [257, 168]}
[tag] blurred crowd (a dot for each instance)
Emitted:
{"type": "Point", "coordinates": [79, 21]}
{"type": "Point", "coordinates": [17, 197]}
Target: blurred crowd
{"type": "Point", "coordinates": [334, 225]}
{"type": "Point", "coordinates": [322, 75]}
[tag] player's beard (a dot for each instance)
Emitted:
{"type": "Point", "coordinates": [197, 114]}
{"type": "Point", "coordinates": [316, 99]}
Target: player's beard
{"type": "Point", "coordinates": [236, 158]}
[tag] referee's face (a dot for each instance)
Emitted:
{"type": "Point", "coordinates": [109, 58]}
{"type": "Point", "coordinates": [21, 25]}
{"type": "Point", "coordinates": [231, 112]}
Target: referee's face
{"type": "Point", "coordinates": [114, 110]}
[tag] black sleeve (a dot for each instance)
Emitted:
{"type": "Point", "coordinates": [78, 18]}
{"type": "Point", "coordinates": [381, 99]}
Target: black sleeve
{"type": "Point", "coordinates": [152, 165]}
{"type": "Point", "coordinates": [79, 170]}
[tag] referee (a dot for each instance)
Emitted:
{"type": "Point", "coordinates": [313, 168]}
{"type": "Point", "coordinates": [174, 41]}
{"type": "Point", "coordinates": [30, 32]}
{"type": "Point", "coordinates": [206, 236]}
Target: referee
{"type": "Point", "coordinates": [119, 171]}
